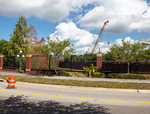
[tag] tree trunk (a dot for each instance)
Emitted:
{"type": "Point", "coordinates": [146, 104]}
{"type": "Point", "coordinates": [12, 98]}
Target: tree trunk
{"type": "Point", "coordinates": [54, 67]}
{"type": "Point", "coordinates": [128, 67]}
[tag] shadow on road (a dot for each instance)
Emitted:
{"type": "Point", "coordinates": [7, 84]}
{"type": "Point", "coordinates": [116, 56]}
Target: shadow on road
{"type": "Point", "coordinates": [22, 105]}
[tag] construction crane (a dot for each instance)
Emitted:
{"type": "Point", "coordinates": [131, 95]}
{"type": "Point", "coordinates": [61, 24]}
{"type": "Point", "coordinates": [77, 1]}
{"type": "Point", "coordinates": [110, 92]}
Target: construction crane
{"type": "Point", "coordinates": [146, 42]}
{"type": "Point", "coordinates": [100, 35]}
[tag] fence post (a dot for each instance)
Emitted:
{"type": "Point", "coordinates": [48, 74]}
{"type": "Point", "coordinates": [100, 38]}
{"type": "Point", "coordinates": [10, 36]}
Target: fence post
{"type": "Point", "coordinates": [14, 61]}
{"type": "Point", "coordinates": [99, 62]}
{"type": "Point", "coordinates": [114, 62]}
{"type": "Point", "coordinates": [28, 63]}
{"type": "Point", "coordinates": [71, 62]}
{"type": "Point", "coordinates": [49, 61]}
{"type": "Point", "coordinates": [1, 62]}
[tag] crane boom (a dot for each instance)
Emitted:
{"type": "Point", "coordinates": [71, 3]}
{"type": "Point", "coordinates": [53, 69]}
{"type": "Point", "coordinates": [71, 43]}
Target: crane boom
{"type": "Point", "coordinates": [100, 35]}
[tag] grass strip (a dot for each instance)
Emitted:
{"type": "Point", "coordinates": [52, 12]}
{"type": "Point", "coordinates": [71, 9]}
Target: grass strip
{"type": "Point", "coordinates": [119, 85]}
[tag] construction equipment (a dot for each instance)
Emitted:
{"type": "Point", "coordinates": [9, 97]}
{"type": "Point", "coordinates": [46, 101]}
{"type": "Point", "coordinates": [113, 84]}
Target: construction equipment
{"type": "Point", "coordinates": [100, 36]}
{"type": "Point", "coordinates": [146, 42]}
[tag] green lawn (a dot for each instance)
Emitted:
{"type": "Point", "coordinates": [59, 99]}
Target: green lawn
{"type": "Point", "coordinates": [104, 84]}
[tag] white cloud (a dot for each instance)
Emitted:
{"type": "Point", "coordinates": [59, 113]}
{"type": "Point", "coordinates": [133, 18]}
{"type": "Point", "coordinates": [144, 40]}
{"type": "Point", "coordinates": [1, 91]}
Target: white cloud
{"type": "Point", "coordinates": [70, 31]}
{"type": "Point", "coordinates": [119, 41]}
{"type": "Point", "coordinates": [80, 37]}
{"type": "Point", "coordinates": [104, 47]}
{"type": "Point", "coordinates": [52, 10]}
{"type": "Point", "coordinates": [123, 15]}
{"type": "Point", "coordinates": [83, 40]}
{"type": "Point", "coordinates": [78, 16]}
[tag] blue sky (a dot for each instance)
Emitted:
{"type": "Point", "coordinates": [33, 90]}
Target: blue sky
{"type": "Point", "coordinates": [79, 20]}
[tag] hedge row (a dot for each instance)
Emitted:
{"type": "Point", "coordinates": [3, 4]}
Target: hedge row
{"type": "Point", "coordinates": [63, 73]}
{"type": "Point", "coordinates": [98, 75]}
{"type": "Point", "coordinates": [119, 75]}
{"type": "Point", "coordinates": [126, 76]}
{"type": "Point", "coordinates": [111, 75]}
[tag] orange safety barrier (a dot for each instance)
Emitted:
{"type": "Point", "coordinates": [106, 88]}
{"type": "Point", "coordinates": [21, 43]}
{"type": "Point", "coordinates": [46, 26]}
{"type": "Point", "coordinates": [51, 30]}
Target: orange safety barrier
{"type": "Point", "coordinates": [11, 81]}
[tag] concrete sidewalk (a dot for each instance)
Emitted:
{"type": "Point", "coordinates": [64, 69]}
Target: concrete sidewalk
{"type": "Point", "coordinates": [77, 78]}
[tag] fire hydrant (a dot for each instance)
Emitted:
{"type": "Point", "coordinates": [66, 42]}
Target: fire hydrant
{"type": "Point", "coordinates": [11, 81]}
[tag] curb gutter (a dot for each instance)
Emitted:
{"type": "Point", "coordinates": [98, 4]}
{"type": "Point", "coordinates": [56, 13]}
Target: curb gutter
{"type": "Point", "coordinates": [87, 88]}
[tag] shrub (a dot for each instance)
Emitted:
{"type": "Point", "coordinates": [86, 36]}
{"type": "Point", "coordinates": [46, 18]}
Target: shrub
{"type": "Point", "coordinates": [126, 76]}
{"type": "Point", "coordinates": [78, 74]}
{"type": "Point", "coordinates": [22, 71]}
{"type": "Point", "coordinates": [98, 75]}
{"type": "Point", "coordinates": [63, 73]}
{"type": "Point", "coordinates": [90, 70]}
{"type": "Point", "coordinates": [17, 70]}
{"type": "Point", "coordinates": [109, 76]}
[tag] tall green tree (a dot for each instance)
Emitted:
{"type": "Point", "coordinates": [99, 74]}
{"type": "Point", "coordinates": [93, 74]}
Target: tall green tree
{"type": "Point", "coordinates": [127, 51]}
{"type": "Point", "coordinates": [144, 55]}
{"type": "Point", "coordinates": [57, 48]}
{"type": "Point", "coordinates": [60, 49]}
{"type": "Point", "coordinates": [17, 37]}
{"type": "Point", "coordinates": [3, 45]}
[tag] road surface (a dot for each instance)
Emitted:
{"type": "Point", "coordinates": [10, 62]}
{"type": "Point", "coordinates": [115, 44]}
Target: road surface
{"type": "Point", "coordinates": [31, 99]}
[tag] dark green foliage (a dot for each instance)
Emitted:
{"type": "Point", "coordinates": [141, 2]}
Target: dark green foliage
{"type": "Point", "coordinates": [109, 76]}
{"type": "Point", "coordinates": [17, 41]}
{"type": "Point", "coordinates": [17, 70]}
{"type": "Point", "coordinates": [20, 32]}
{"type": "Point", "coordinates": [59, 48]}
{"type": "Point", "coordinates": [98, 75]}
{"type": "Point", "coordinates": [63, 73]}
{"type": "Point", "coordinates": [127, 51]}
{"type": "Point", "coordinates": [126, 76]}
{"type": "Point", "coordinates": [90, 57]}
{"type": "Point", "coordinates": [3, 45]}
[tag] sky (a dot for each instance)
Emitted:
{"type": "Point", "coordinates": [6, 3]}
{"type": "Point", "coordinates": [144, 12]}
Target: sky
{"type": "Point", "coordinates": [80, 20]}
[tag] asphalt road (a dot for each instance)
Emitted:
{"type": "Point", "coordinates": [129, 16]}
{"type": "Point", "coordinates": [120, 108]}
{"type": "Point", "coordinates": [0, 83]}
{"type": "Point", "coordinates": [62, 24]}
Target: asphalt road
{"type": "Point", "coordinates": [30, 99]}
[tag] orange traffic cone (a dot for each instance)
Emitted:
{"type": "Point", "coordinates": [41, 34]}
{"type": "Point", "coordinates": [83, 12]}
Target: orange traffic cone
{"type": "Point", "coordinates": [11, 82]}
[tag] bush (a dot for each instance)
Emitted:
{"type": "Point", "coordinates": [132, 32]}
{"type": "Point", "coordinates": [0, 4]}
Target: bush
{"type": "Point", "coordinates": [78, 74]}
{"type": "Point", "coordinates": [126, 76]}
{"type": "Point", "coordinates": [17, 70]}
{"type": "Point", "coordinates": [22, 71]}
{"type": "Point", "coordinates": [98, 75]}
{"type": "Point", "coordinates": [109, 76]}
{"type": "Point", "coordinates": [63, 73]}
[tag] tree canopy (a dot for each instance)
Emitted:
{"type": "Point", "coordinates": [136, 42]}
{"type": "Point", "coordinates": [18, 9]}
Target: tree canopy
{"type": "Point", "coordinates": [33, 33]}
{"type": "Point", "coordinates": [17, 41]}
{"type": "Point", "coordinates": [128, 51]}
{"type": "Point", "coordinates": [57, 48]}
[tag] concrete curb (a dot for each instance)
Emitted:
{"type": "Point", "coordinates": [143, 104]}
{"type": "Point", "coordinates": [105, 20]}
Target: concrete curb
{"type": "Point", "coordinates": [87, 88]}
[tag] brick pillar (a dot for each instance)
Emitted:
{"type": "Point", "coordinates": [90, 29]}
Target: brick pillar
{"type": "Point", "coordinates": [1, 62]}
{"type": "Point", "coordinates": [28, 63]}
{"type": "Point", "coordinates": [99, 62]}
